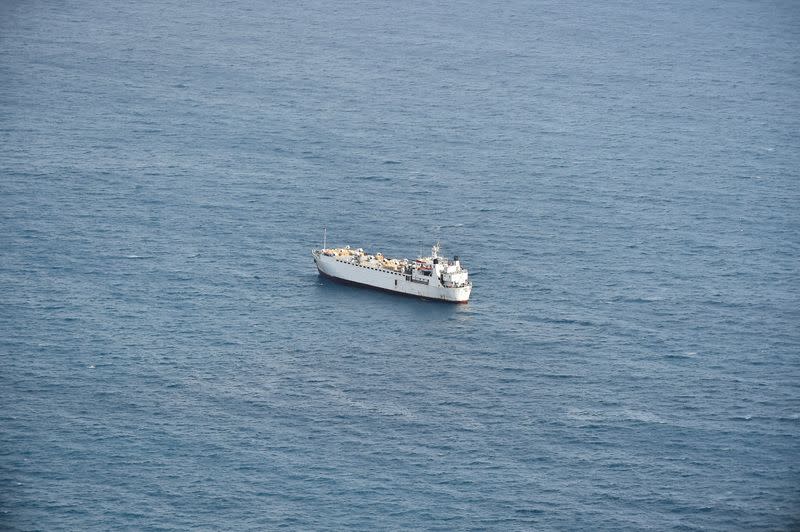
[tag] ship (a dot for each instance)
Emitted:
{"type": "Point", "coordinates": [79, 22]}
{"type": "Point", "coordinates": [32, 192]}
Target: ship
{"type": "Point", "coordinates": [434, 277]}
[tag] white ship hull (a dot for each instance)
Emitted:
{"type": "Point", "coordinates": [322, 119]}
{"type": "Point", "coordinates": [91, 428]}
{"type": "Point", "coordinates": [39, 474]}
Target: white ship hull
{"type": "Point", "coordinates": [391, 281]}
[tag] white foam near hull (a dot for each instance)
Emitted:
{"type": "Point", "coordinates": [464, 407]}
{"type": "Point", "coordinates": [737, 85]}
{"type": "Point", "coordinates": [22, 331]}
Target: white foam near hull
{"type": "Point", "coordinates": [389, 280]}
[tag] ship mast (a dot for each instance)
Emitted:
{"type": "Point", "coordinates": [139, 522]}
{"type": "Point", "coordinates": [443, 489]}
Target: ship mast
{"type": "Point", "coordinates": [325, 237]}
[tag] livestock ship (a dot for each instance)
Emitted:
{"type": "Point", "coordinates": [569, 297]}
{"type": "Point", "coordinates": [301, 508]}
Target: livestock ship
{"type": "Point", "coordinates": [431, 277]}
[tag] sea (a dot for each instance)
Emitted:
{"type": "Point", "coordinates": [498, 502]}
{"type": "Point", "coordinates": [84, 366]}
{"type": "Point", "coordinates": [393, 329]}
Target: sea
{"type": "Point", "coordinates": [620, 178]}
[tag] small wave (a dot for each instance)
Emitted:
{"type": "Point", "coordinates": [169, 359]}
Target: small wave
{"type": "Point", "coordinates": [529, 511]}
{"type": "Point", "coordinates": [585, 415]}
{"type": "Point", "coordinates": [615, 416]}
{"type": "Point", "coordinates": [567, 321]}
{"type": "Point", "coordinates": [637, 299]}
{"type": "Point", "coordinates": [374, 178]}
{"type": "Point", "coordinates": [642, 416]}
{"type": "Point", "coordinates": [681, 356]}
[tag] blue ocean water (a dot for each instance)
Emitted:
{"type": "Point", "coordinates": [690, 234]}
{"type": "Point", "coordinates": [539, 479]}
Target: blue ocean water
{"type": "Point", "coordinates": [620, 178]}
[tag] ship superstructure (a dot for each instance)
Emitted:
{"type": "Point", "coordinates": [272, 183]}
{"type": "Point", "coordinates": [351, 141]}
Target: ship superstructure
{"type": "Point", "coordinates": [432, 277]}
